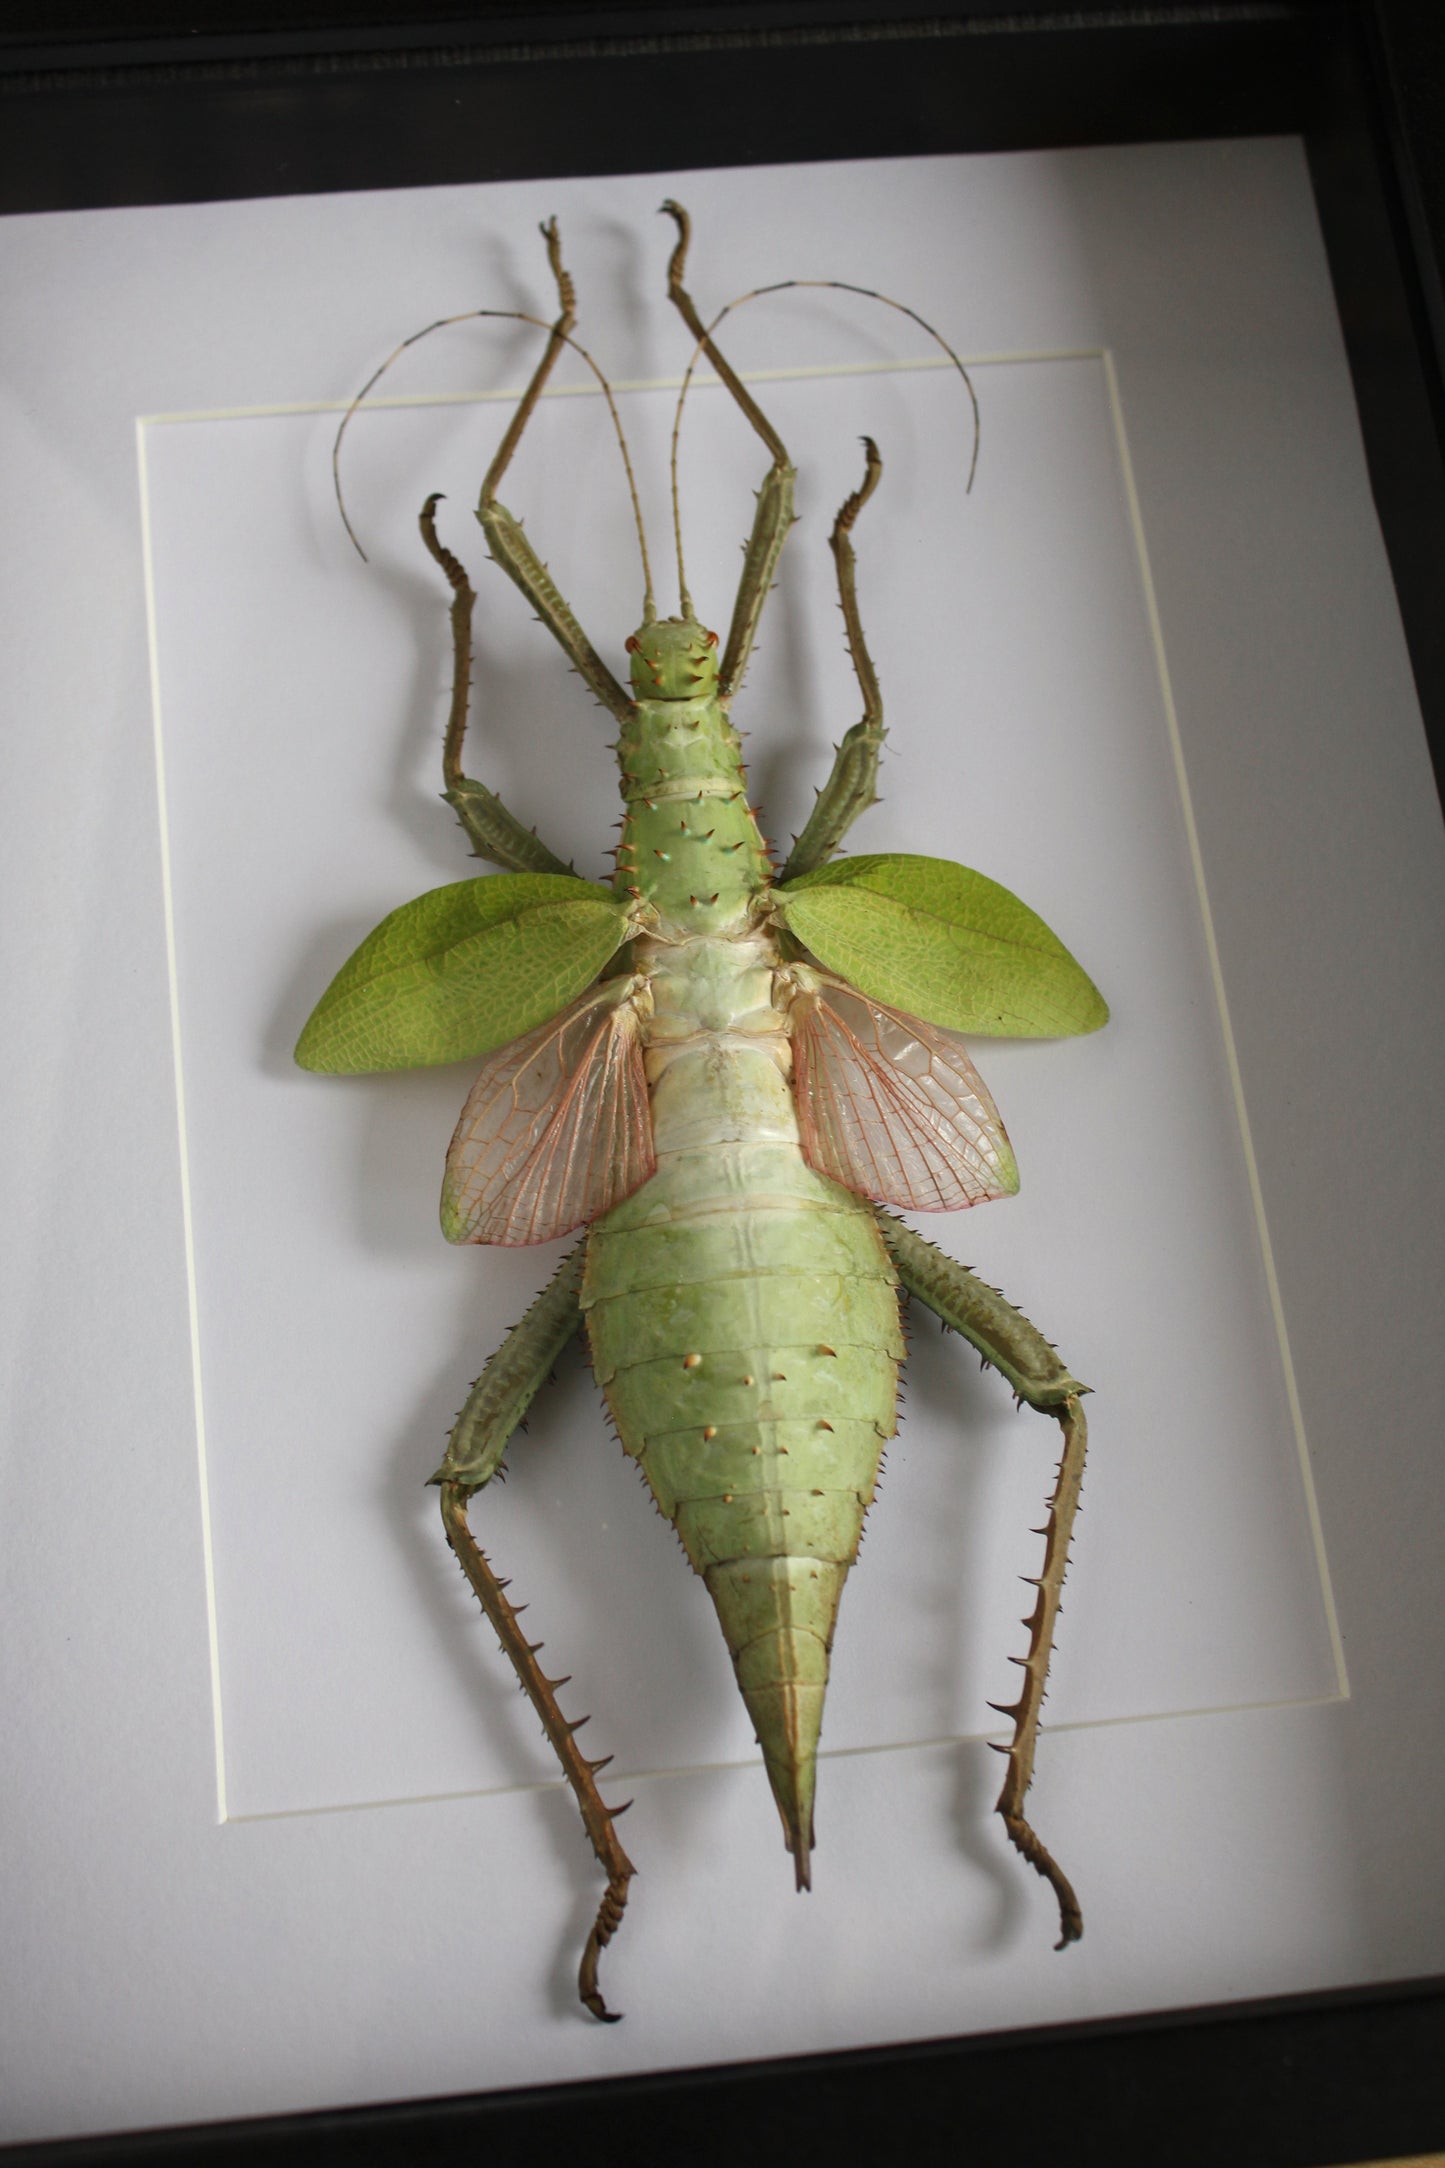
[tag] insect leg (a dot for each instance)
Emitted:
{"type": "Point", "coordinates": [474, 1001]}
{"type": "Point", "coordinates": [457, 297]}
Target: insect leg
{"type": "Point", "coordinates": [850, 789]}
{"type": "Point", "coordinates": [774, 515]}
{"type": "Point", "coordinates": [494, 1407]}
{"type": "Point", "coordinates": [509, 545]}
{"type": "Point", "coordinates": [494, 833]}
{"type": "Point", "coordinates": [1005, 1338]}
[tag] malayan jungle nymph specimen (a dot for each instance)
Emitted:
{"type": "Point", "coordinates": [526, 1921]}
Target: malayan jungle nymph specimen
{"type": "Point", "coordinates": [723, 1072]}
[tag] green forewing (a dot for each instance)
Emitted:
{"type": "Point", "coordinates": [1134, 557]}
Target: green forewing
{"type": "Point", "coordinates": [461, 970]}
{"type": "Point", "coordinates": [944, 943]}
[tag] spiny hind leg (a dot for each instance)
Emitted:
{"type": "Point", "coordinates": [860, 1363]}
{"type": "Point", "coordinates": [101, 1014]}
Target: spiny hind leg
{"type": "Point", "coordinates": [1041, 1623]}
{"type": "Point", "coordinates": [1005, 1338]}
{"type": "Point", "coordinates": [494, 833]}
{"type": "Point", "coordinates": [774, 515]}
{"type": "Point", "coordinates": [495, 1406]}
{"type": "Point", "coordinates": [851, 788]}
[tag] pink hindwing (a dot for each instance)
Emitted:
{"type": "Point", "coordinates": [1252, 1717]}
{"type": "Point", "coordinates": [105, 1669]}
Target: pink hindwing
{"type": "Point", "coordinates": [892, 1107]}
{"type": "Point", "coordinates": [556, 1129]}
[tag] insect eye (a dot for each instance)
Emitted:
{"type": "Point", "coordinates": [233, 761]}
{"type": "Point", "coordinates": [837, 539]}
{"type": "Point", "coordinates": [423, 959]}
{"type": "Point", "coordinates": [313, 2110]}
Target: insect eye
{"type": "Point", "coordinates": [632, 644]}
{"type": "Point", "coordinates": [712, 639]}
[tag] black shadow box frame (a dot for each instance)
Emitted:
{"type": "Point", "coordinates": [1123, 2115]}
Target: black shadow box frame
{"type": "Point", "coordinates": [160, 103]}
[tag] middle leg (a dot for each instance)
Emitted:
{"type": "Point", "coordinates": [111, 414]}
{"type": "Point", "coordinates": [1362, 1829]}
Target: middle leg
{"type": "Point", "coordinates": [494, 833]}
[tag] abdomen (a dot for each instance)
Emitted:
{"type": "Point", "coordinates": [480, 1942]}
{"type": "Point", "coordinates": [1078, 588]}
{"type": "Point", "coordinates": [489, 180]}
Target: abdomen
{"type": "Point", "coordinates": [743, 1321]}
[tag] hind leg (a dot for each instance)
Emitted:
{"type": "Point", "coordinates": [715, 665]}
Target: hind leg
{"type": "Point", "coordinates": [495, 1406]}
{"type": "Point", "coordinates": [1005, 1338]}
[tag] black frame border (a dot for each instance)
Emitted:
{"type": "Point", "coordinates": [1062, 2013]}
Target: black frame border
{"type": "Point", "coordinates": [1299, 2082]}
{"type": "Point", "coordinates": [149, 102]}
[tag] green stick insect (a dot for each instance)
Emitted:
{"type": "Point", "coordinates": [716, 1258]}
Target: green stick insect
{"type": "Point", "coordinates": [725, 1073]}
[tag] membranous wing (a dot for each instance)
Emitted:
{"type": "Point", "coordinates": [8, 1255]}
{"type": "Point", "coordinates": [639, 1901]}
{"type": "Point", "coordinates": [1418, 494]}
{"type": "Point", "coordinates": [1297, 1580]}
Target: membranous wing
{"type": "Point", "coordinates": [892, 1107]}
{"type": "Point", "coordinates": [556, 1129]}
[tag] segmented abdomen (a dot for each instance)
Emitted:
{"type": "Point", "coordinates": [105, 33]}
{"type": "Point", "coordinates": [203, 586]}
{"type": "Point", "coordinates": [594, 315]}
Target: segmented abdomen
{"type": "Point", "coordinates": [743, 1321]}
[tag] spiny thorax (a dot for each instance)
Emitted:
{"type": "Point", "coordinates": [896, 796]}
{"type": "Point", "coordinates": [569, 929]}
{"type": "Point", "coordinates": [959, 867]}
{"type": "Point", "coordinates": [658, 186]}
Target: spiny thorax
{"type": "Point", "coordinates": [690, 843]}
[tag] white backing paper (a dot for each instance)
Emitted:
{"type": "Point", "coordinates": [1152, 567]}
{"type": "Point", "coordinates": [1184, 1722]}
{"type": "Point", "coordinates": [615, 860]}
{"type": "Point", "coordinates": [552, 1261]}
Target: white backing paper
{"type": "Point", "coordinates": [283, 1834]}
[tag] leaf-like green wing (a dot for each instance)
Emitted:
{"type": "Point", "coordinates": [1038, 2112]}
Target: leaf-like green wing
{"type": "Point", "coordinates": [462, 970]}
{"type": "Point", "coordinates": [944, 943]}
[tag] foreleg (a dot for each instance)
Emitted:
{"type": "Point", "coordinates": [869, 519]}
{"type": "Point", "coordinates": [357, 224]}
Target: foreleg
{"type": "Point", "coordinates": [851, 788]}
{"type": "Point", "coordinates": [1005, 1338]}
{"type": "Point", "coordinates": [774, 515]}
{"type": "Point", "coordinates": [494, 833]}
{"type": "Point", "coordinates": [509, 545]}
{"type": "Point", "coordinates": [495, 1406]}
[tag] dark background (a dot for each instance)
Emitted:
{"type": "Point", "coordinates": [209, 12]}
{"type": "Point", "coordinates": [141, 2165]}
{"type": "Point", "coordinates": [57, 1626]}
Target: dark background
{"type": "Point", "coordinates": [153, 101]}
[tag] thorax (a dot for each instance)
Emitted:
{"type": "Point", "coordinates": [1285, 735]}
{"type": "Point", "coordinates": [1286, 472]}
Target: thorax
{"type": "Point", "coordinates": [690, 844]}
